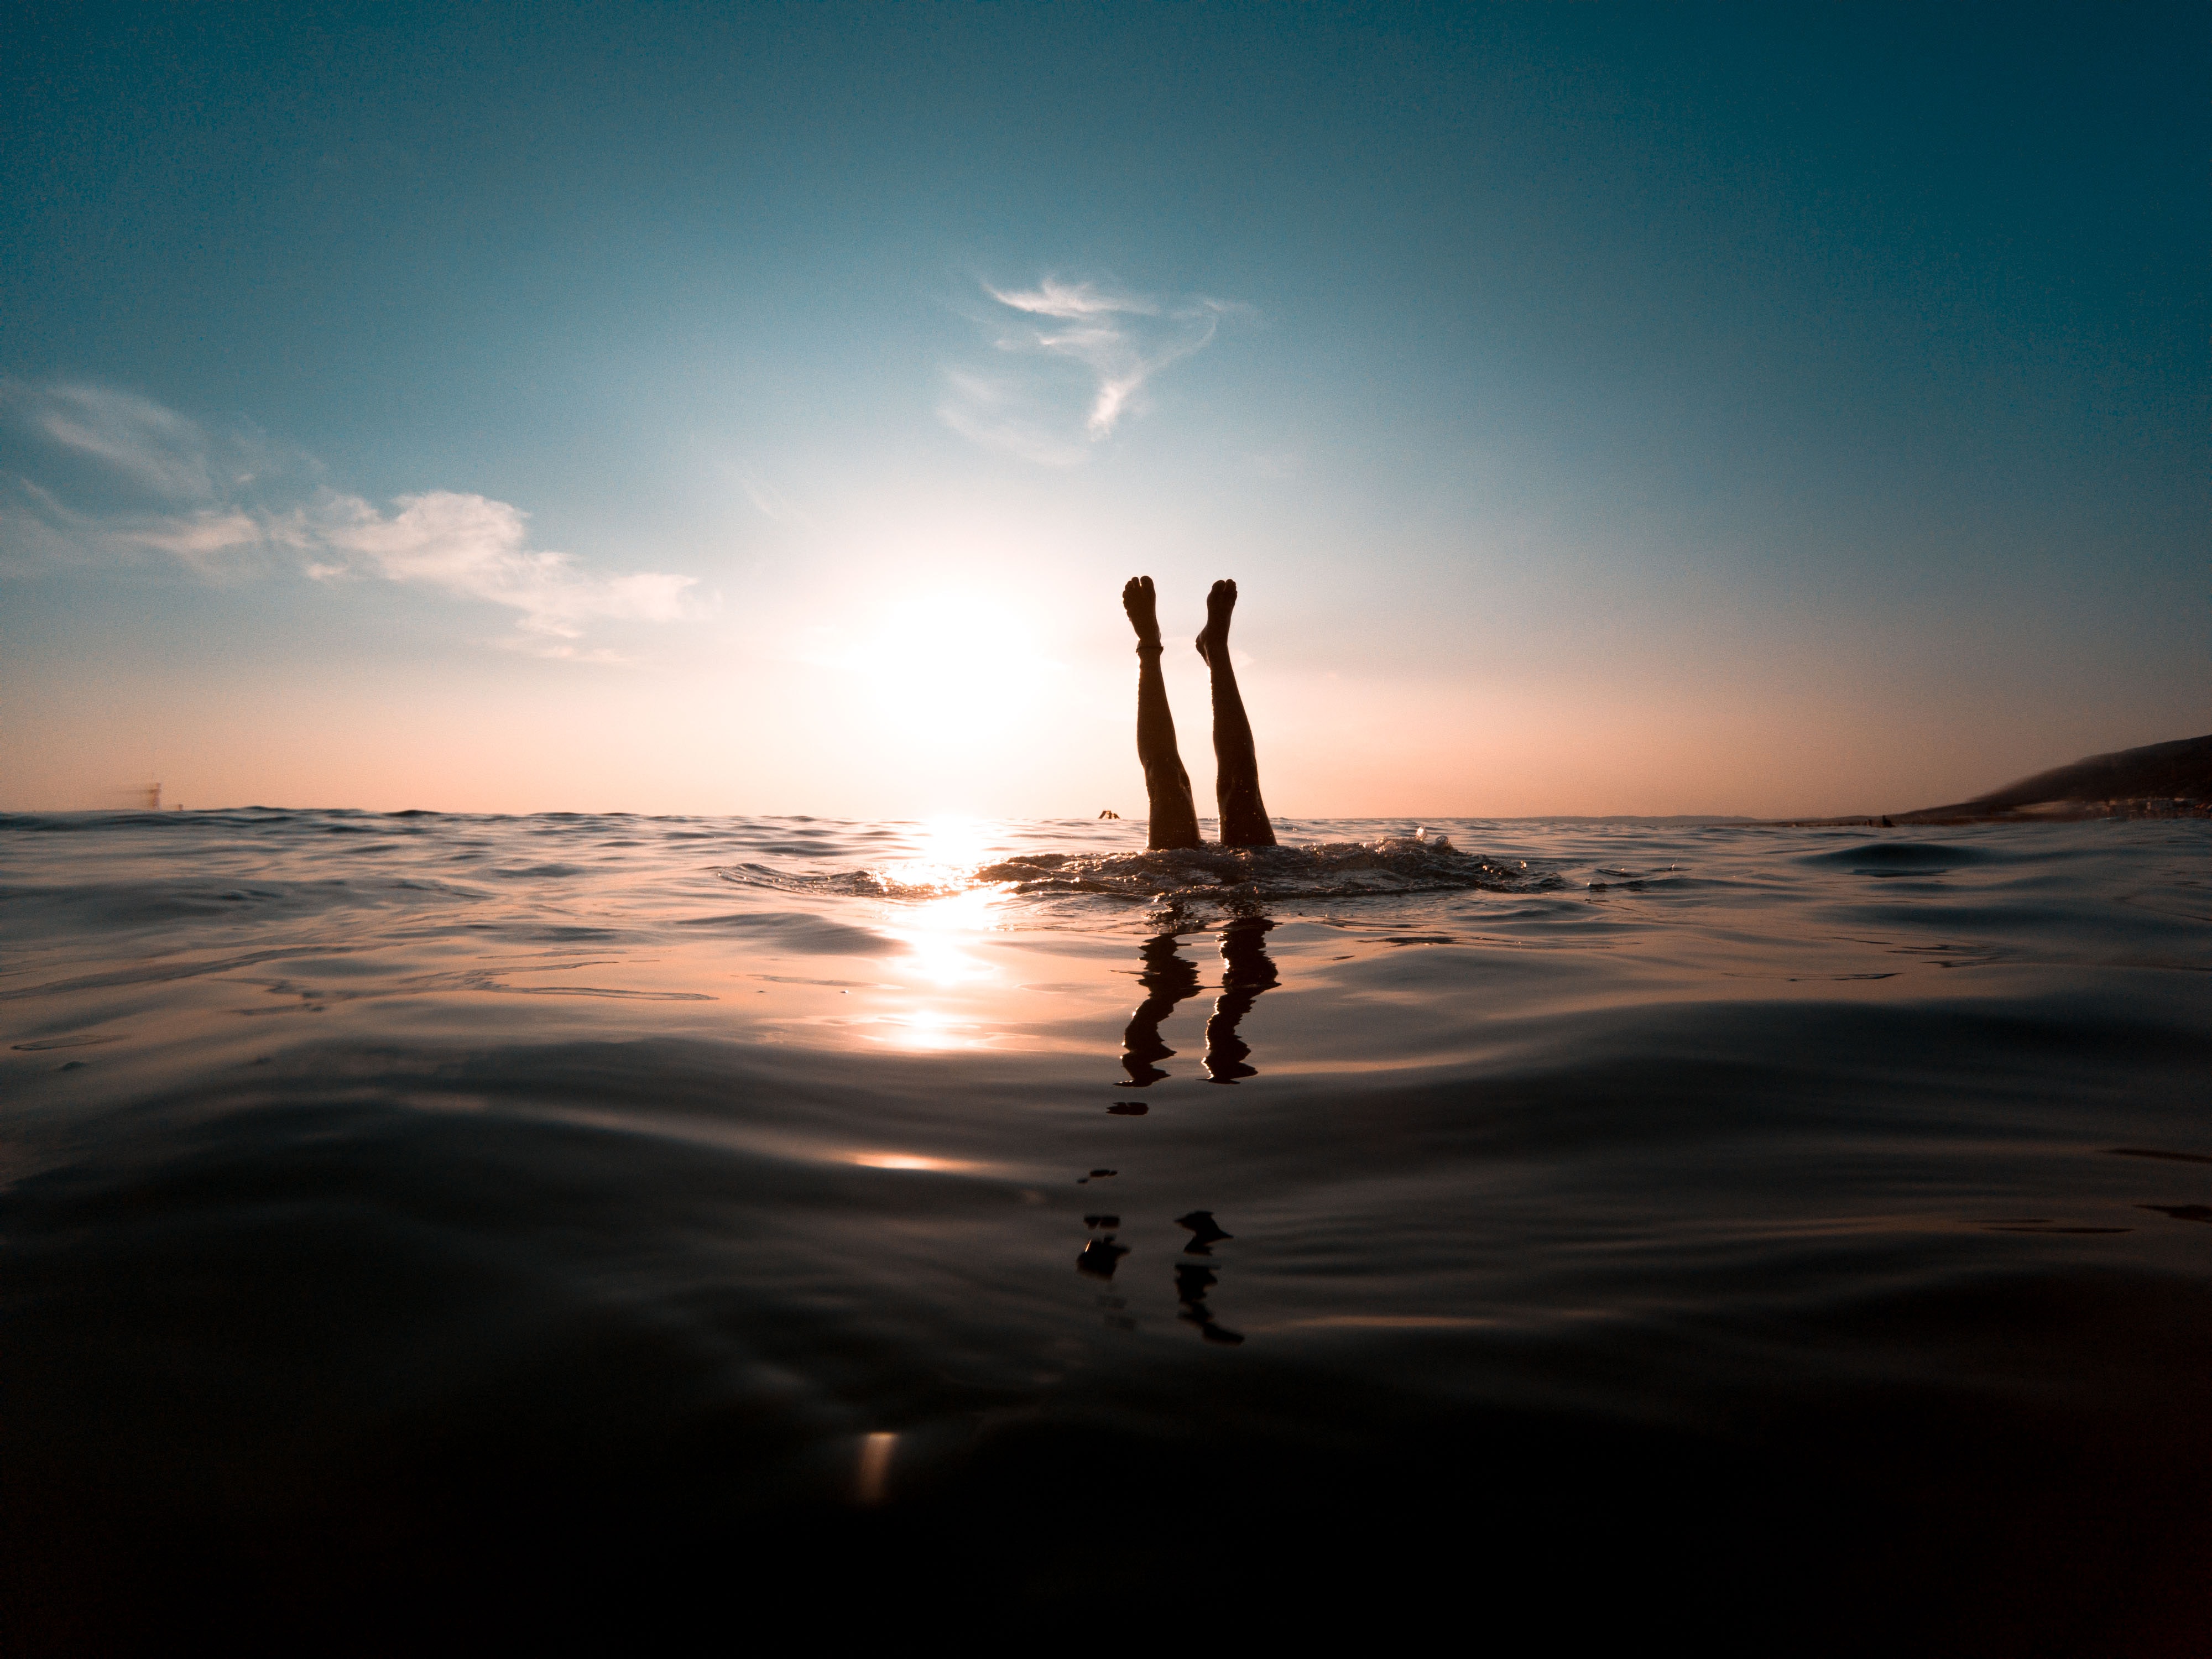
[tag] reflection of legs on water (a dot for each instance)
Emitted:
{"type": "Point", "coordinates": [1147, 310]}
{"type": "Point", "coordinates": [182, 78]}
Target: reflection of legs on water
{"type": "Point", "coordinates": [1247, 970]}
{"type": "Point", "coordinates": [1205, 1233]}
{"type": "Point", "coordinates": [1236, 775]}
{"type": "Point", "coordinates": [1101, 1256]}
{"type": "Point", "coordinates": [1192, 1280]}
{"type": "Point", "coordinates": [1168, 978]}
{"type": "Point", "coordinates": [1167, 785]}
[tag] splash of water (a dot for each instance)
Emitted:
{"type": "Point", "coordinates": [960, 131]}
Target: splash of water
{"type": "Point", "coordinates": [1226, 876]}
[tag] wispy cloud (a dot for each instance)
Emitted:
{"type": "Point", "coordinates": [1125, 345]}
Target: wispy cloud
{"type": "Point", "coordinates": [125, 479]}
{"type": "Point", "coordinates": [475, 548]}
{"type": "Point", "coordinates": [152, 450]}
{"type": "Point", "coordinates": [772, 503]}
{"type": "Point", "coordinates": [1001, 413]}
{"type": "Point", "coordinates": [1119, 341]}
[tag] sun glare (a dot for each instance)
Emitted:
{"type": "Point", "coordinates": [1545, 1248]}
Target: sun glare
{"type": "Point", "coordinates": [952, 673]}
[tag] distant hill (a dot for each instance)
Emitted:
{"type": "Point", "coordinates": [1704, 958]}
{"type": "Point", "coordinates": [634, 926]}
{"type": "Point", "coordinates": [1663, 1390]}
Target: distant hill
{"type": "Point", "coordinates": [2164, 779]}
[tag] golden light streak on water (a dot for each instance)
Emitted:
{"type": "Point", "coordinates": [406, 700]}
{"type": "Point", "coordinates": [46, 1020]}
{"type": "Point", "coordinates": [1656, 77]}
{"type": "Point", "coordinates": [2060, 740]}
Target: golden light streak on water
{"type": "Point", "coordinates": [872, 1479]}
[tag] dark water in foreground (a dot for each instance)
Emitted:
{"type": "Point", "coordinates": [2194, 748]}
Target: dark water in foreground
{"type": "Point", "coordinates": [423, 1230]}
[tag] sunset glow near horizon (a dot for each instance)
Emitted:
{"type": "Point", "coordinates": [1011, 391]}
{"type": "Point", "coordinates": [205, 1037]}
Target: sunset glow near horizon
{"type": "Point", "coordinates": [1602, 411]}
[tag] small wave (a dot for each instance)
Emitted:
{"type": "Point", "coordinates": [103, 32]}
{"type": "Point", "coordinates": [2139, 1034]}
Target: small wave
{"type": "Point", "coordinates": [1916, 857]}
{"type": "Point", "coordinates": [939, 883]}
{"type": "Point", "coordinates": [797, 931]}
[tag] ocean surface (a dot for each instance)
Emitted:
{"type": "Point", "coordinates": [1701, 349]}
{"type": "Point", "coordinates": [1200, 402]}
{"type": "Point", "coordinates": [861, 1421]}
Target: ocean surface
{"type": "Point", "coordinates": [422, 1229]}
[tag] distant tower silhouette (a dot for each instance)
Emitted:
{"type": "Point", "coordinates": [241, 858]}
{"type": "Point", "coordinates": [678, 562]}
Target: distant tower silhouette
{"type": "Point", "coordinates": [152, 797]}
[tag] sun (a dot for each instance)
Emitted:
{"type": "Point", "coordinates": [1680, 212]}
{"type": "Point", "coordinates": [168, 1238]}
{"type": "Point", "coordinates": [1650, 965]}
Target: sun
{"type": "Point", "coordinates": [947, 671]}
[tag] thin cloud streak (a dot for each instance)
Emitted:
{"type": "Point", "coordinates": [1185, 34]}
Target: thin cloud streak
{"type": "Point", "coordinates": [996, 412]}
{"type": "Point", "coordinates": [1054, 298]}
{"type": "Point", "coordinates": [41, 531]}
{"type": "Point", "coordinates": [152, 481]}
{"type": "Point", "coordinates": [158, 450]}
{"type": "Point", "coordinates": [1120, 342]}
{"type": "Point", "coordinates": [773, 504]}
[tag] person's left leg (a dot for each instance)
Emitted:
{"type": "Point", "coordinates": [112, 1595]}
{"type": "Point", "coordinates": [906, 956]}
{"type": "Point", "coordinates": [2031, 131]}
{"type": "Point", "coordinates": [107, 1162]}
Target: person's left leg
{"type": "Point", "coordinates": [1237, 766]}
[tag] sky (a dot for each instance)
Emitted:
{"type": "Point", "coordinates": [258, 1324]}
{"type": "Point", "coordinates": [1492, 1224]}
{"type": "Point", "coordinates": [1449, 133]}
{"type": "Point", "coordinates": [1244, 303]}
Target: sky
{"type": "Point", "coordinates": [702, 409]}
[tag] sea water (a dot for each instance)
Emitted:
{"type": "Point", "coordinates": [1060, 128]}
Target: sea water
{"type": "Point", "coordinates": [426, 1226]}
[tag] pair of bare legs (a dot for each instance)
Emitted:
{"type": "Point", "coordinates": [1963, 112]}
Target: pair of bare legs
{"type": "Point", "coordinates": [1237, 766]}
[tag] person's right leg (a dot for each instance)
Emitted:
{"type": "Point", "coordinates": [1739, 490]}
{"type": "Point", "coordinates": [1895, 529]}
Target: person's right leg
{"type": "Point", "coordinates": [1167, 785]}
{"type": "Point", "coordinates": [1236, 775]}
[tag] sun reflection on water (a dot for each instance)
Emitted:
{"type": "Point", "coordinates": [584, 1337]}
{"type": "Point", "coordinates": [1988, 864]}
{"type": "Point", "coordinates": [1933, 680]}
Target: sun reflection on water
{"type": "Point", "coordinates": [946, 853]}
{"type": "Point", "coordinates": [939, 933]}
{"type": "Point", "coordinates": [935, 930]}
{"type": "Point", "coordinates": [875, 1160]}
{"type": "Point", "coordinates": [930, 1029]}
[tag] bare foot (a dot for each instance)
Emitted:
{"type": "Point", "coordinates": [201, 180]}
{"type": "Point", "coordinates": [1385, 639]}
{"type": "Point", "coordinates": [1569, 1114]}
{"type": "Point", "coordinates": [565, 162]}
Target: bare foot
{"type": "Point", "coordinates": [1138, 599]}
{"type": "Point", "coordinates": [1219, 604]}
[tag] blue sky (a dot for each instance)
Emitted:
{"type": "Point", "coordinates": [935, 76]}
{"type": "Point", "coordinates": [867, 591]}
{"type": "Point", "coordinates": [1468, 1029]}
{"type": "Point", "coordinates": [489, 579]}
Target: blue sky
{"type": "Point", "coordinates": [703, 408]}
